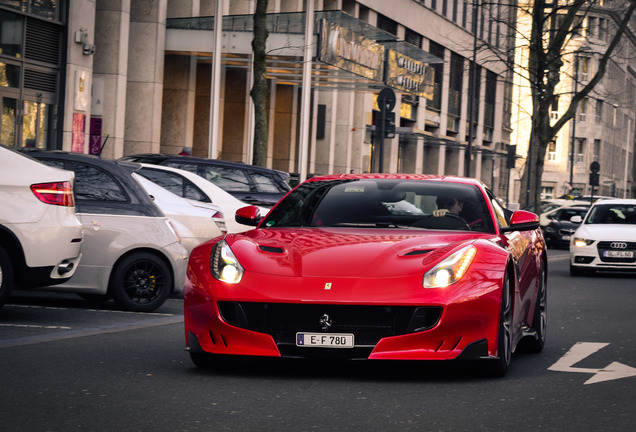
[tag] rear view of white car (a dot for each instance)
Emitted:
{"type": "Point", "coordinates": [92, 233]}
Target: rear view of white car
{"type": "Point", "coordinates": [194, 224]}
{"type": "Point", "coordinates": [606, 240]}
{"type": "Point", "coordinates": [40, 234]}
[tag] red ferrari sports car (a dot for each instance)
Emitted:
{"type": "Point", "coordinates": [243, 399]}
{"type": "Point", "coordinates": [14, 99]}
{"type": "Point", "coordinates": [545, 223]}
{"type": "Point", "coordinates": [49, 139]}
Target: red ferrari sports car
{"type": "Point", "coordinates": [372, 266]}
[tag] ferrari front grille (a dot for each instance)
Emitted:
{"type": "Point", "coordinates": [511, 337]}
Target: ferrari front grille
{"type": "Point", "coordinates": [367, 323]}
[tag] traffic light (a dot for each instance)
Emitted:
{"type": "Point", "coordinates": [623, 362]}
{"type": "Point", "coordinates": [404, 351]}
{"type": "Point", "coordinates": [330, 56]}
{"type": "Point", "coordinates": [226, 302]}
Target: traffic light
{"type": "Point", "coordinates": [389, 125]}
{"type": "Point", "coordinates": [594, 179]}
{"type": "Point", "coordinates": [512, 154]}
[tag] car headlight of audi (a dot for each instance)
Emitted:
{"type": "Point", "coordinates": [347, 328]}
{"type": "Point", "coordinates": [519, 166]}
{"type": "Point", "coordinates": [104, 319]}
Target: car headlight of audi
{"type": "Point", "coordinates": [581, 242]}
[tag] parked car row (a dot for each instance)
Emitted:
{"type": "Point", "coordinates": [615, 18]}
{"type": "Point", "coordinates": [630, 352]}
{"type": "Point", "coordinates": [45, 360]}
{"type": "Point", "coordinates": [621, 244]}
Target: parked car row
{"type": "Point", "coordinates": [116, 227]}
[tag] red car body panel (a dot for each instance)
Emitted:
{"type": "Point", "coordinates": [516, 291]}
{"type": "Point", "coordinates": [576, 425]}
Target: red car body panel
{"type": "Point", "coordinates": [345, 266]}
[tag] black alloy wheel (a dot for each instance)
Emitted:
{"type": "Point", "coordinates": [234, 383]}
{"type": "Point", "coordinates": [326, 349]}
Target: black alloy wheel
{"type": "Point", "coordinates": [499, 367]}
{"type": "Point", "coordinates": [141, 282]}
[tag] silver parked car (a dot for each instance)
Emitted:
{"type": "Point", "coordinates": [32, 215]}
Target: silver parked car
{"type": "Point", "coordinates": [131, 251]}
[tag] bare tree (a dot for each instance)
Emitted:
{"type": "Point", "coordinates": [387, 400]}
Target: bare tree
{"type": "Point", "coordinates": [553, 26]}
{"type": "Point", "coordinates": [260, 91]}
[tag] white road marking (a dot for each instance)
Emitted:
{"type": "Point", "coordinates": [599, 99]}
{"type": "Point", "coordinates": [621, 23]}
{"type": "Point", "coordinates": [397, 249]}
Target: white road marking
{"type": "Point", "coordinates": [582, 350]}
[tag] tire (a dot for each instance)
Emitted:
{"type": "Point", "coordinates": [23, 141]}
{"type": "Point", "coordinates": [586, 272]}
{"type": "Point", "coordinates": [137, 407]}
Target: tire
{"type": "Point", "coordinates": [499, 367]}
{"type": "Point", "coordinates": [6, 276]}
{"type": "Point", "coordinates": [539, 318]}
{"type": "Point", "coordinates": [141, 282]}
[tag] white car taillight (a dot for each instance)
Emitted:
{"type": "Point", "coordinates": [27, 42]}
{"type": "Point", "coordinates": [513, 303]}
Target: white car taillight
{"type": "Point", "coordinates": [220, 221]}
{"type": "Point", "coordinates": [58, 193]}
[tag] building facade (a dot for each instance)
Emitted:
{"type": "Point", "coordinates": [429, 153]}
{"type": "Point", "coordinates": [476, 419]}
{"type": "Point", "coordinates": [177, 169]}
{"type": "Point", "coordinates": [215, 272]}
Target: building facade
{"type": "Point", "coordinates": [119, 77]}
{"type": "Point", "coordinates": [602, 130]}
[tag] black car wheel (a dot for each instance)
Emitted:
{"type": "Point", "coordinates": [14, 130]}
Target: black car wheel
{"type": "Point", "coordinates": [141, 282]}
{"type": "Point", "coordinates": [499, 366]}
{"type": "Point", "coordinates": [6, 276]}
{"type": "Point", "coordinates": [539, 320]}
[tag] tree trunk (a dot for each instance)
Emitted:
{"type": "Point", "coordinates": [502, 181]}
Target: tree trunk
{"type": "Point", "coordinates": [260, 91]}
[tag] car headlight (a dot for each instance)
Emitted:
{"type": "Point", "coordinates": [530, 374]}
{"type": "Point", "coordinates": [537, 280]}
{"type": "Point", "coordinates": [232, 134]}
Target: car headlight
{"type": "Point", "coordinates": [451, 269]}
{"type": "Point", "coordinates": [580, 242]}
{"type": "Point", "coordinates": [224, 265]}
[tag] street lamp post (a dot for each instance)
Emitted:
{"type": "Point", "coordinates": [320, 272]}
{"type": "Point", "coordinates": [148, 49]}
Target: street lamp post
{"type": "Point", "coordinates": [471, 95]}
{"type": "Point", "coordinates": [576, 82]}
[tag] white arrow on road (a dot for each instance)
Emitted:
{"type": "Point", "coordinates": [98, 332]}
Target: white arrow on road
{"type": "Point", "coordinates": [582, 350]}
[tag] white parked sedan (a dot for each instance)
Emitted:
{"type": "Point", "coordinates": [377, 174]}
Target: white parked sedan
{"type": "Point", "coordinates": [192, 186]}
{"type": "Point", "coordinates": [40, 234]}
{"type": "Point", "coordinates": [194, 223]}
{"type": "Point", "coordinates": [606, 240]}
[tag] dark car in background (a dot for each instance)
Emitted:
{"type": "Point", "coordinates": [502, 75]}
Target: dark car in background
{"type": "Point", "coordinates": [559, 230]}
{"type": "Point", "coordinates": [249, 183]}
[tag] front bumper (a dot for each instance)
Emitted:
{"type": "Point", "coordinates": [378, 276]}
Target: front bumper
{"type": "Point", "coordinates": [437, 330]}
{"type": "Point", "coordinates": [598, 256]}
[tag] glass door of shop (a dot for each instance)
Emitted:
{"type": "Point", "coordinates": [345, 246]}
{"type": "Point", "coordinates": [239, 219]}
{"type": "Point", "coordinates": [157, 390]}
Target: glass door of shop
{"type": "Point", "coordinates": [26, 122]}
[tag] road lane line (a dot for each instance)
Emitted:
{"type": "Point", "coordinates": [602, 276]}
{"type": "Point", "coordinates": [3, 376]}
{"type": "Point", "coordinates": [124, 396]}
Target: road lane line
{"type": "Point", "coordinates": [90, 331]}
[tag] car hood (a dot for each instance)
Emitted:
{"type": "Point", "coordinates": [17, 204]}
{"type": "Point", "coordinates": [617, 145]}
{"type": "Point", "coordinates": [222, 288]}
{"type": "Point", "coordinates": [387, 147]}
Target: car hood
{"type": "Point", "coordinates": [343, 252]}
{"type": "Point", "coordinates": [610, 232]}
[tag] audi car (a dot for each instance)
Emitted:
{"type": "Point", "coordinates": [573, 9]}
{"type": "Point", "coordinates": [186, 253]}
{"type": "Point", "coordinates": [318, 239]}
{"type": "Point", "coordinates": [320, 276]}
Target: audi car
{"type": "Point", "coordinates": [372, 266]}
{"type": "Point", "coordinates": [606, 238]}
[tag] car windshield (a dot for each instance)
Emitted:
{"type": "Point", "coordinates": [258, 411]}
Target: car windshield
{"type": "Point", "coordinates": [612, 214]}
{"type": "Point", "coordinates": [383, 203]}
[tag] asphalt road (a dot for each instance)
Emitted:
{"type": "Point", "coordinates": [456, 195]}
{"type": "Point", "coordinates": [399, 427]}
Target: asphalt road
{"type": "Point", "coordinates": [69, 366]}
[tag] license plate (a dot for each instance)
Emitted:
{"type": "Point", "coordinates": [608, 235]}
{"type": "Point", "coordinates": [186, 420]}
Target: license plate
{"type": "Point", "coordinates": [325, 340]}
{"type": "Point", "coordinates": [618, 254]}
{"type": "Point", "coordinates": [566, 237]}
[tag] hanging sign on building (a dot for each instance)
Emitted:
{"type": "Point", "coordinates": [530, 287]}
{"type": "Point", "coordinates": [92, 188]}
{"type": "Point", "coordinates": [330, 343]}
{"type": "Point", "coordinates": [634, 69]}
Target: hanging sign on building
{"type": "Point", "coordinates": [409, 75]}
{"type": "Point", "coordinates": [350, 51]}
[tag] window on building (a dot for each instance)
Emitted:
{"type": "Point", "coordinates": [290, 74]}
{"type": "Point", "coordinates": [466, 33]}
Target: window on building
{"type": "Point", "coordinates": [592, 26]}
{"type": "Point", "coordinates": [489, 104]}
{"type": "Point", "coordinates": [582, 110]}
{"type": "Point", "coordinates": [554, 108]}
{"type": "Point", "coordinates": [387, 24]}
{"type": "Point", "coordinates": [438, 51]}
{"type": "Point", "coordinates": [547, 192]}
{"type": "Point", "coordinates": [597, 150]}
{"type": "Point", "coordinates": [413, 37]}
{"type": "Point", "coordinates": [465, 14]}
{"type": "Point", "coordinates": [585, 68]}
{"type": "Point", "coordinates": [598, 111]}
{"type": "Point", "coordinates": [580, 150]}
{"type": "Point", "coordinates": [455, 89]}
{"type": "Point", "coordinates": [552, 151]}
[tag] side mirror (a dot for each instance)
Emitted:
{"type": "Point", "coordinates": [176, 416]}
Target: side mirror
{"type": "Point", "coordinates": [576, 219]}
{"type": "Point", "coordinates": [522, 220]}
{"type": "Point", "coordinates": [250, 215]}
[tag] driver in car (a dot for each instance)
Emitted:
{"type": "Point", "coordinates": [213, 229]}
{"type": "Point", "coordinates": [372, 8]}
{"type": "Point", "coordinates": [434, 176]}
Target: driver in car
{"type": "Point", "coordinates": [448, 205]}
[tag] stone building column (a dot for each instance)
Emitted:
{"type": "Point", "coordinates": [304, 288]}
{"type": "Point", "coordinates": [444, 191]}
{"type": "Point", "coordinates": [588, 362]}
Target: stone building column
{"type": "Point", "coordinates": [79, 69]}
{"type": "Point", "coordinates": [112, 29]}
{"type": "Point", "coordinates": [144, 92]}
